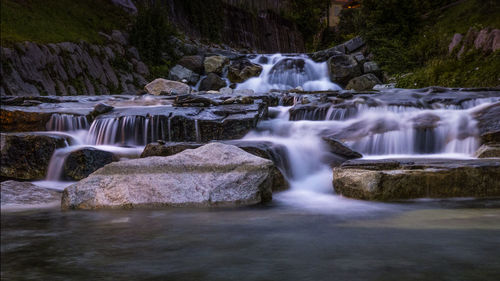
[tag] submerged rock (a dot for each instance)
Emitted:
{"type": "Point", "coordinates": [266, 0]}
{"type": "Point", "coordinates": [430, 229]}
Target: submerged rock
{"type": "Point", "coordinates": [162, 86]}
{"type": "Point", "coordinates": [26, 156]}
{"type": "Point", "coordinates": [417, 178]}
{"type": "Point", "coordinates": [212, 175]}
{"type": "Point", "coordinates": [81, 163]}
{"type": "Point", "coordinates": [24, 195]}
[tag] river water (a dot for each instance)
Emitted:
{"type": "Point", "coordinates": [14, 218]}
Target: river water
{"type": "Point", "coordinates": [306, 233]}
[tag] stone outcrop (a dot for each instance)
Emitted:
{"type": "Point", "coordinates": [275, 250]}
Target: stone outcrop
{"type": "Point", "coordinates": [26, 156]}
{"type": "Point", "coordinates": [81, 163]}
{"type": "Point", "coordinates": [31, 69]}
{"type": "Point", "coordinates": [212, 175]}
{"type": "Point", "coordinates": [162, 86]}
{"type": "Point", "coordinates": [486, 40]}
{"type": "Point", "coordinates": [23, 121]}
{"type": "Point", "coordinates": [24, 195]}
{"type": "Point", "coordinates": [417, 178]}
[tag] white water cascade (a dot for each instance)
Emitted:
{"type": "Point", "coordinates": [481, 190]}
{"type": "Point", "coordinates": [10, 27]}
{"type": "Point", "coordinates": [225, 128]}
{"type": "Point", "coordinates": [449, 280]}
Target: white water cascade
{"type": "Point", "coordinates": [286, 72]}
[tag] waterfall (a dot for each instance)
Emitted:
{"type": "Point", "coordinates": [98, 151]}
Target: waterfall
{"type": "Point", "coordinates": [286, 72]}
{"type": "Point", "coordinates": [67, 122]}
{"type": "Point", "coordinates": [128, 130]}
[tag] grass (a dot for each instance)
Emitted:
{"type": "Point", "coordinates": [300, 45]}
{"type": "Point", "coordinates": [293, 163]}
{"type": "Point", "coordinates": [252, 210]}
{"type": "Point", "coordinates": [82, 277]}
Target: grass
{"type": "Point", "coordinates": [429, 49]}
{"type": "Point", "coordinates": [52, 21]}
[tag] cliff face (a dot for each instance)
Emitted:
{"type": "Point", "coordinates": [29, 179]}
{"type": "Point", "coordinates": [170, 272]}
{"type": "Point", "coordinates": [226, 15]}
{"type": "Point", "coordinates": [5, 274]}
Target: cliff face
{"type": "Point", "coordinates": [66, 68]}
{"type": "Point", "coordinates": [258, 28]}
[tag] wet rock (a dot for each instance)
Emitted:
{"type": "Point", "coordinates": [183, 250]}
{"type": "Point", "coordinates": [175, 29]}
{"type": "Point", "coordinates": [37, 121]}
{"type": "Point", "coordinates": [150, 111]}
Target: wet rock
{"type": "Point", "coordinates": [81, 163]}
{"type": "Point", "coordinates": [426, 121]}
{"type": "Point", "coordinates": [162, 86]}
{"type": "Point", "coordinates": [101, 108]}
{"type": "Point", "coordinates": [194, 63]}
{"type": "Point", "coordinates": [194, 100]}
{"type": "Point", "coordinates": [241, 70]}
{"type": "Point", "coordinates": [343, 68]}
{"type": "Point", "coordinates": [489, 150]}
{"type": "Point", "coordinates": [489, 124]}
{"type": "Point", "coordinates": [24, 195]}
{"type": "Point", "coordinates": [417, 178]}
{"type": "Point", "coordinates": [212, 175]}
{"type": "Point", "coordinates": [365, 82]}
{"type": "Point", "coordinates": [338, 148]}
{"type": "Point", "coordinates": [180, 73]}
{"type": "Point", "coordinates": [215, 64]}
{"type": "Point", "coordinates": [23, 121]}
{"type": "Point", "coordinates": [324, 55]}
{"type": "Point", "coordinates": [26, 156]}
{"type": "Point", "coordinates": [212, 82]}
{"type": "Point", "coordinates": [168, 148]}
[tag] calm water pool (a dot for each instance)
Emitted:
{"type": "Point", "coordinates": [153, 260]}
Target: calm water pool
{"type": "Point", "coordinates": [423, 240]}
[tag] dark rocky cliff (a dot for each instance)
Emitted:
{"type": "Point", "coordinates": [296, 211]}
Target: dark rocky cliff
{"type": "Point", "coordinates": [258, 28]}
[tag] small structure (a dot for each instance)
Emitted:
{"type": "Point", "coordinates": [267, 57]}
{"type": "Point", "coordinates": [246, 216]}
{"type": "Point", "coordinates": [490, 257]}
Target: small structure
{"type": "Point", "coordinates": [335, 7]}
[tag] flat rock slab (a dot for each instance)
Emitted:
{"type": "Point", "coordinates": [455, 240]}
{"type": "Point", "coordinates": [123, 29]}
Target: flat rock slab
{"type": "Point", "coordinates": [213, 175]}
{"type": "Point", "coordinates": [24, 195]}
{"type": "Point", "coordinates": [417, 178]}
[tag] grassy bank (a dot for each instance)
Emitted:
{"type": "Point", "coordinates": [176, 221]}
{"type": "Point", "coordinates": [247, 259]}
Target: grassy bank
{"type": "Point", "coordinates": [51, 21]}
{"type": "Point", "coordinates": [428, 50]}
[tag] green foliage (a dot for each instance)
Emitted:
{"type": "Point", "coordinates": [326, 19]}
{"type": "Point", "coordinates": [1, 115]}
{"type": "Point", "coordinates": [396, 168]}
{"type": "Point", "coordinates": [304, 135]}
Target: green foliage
{"type": "Point", "coordinates": [475, 69]}
{"type": "Point", "coordinates": [151, 33]}
{"type": "Point", "coordinates": [52, 21]}
{"type": "Point", "coordinates": [307, 15]}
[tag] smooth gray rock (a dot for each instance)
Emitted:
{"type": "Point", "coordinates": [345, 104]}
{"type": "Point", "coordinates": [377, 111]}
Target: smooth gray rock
{"type": "Point", "coordinates": [180, 73]}
{"type": "Point", "coordinates": [212, 175]}
{"type": "Point", "coordinates": [24, 195]}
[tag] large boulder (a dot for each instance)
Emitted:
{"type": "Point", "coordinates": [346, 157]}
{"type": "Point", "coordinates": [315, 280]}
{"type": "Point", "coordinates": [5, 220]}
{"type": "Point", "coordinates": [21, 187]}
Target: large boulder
{"type": "Point", "coordinates": [162, 86]}
{"type": "Point", "coordinates": [242, 70]}
{"type": "Point", "coordinates": [213, 175]}
{"type": "Point", "coordinates": [194, 63]}
{"type": "Point", "coordinates": [24, 195]}
{"type": "Point", "coordinates": [81, 163]}
{"type": "Point", "coordinates": [417, 178]}
{"type": "Point", "coordinates": [212, 82]}
{"type": "Point", "coordinates": [363, 83]}
{"type": "Point", "coordinates": [343, 68]}
{"type": "Point", "coordinates": [215, 64]}
{"type": "Point", "coordinates": [26, 156]}
{"type": "Point", "coordinates": [180, 73]}
{"type": "Point", "coordinates": [267, 150]}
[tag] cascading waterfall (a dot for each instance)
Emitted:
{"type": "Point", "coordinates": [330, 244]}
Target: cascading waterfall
{"type": "Point", "coordinates": [286, 72]}
{"type": "Point", "coordinates": [67, 122]}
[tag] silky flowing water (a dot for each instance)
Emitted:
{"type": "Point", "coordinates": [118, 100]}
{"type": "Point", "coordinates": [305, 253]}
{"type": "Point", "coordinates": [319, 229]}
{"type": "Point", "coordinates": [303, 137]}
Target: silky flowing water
{"type": "Point", "coordinates": [307, 232]}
